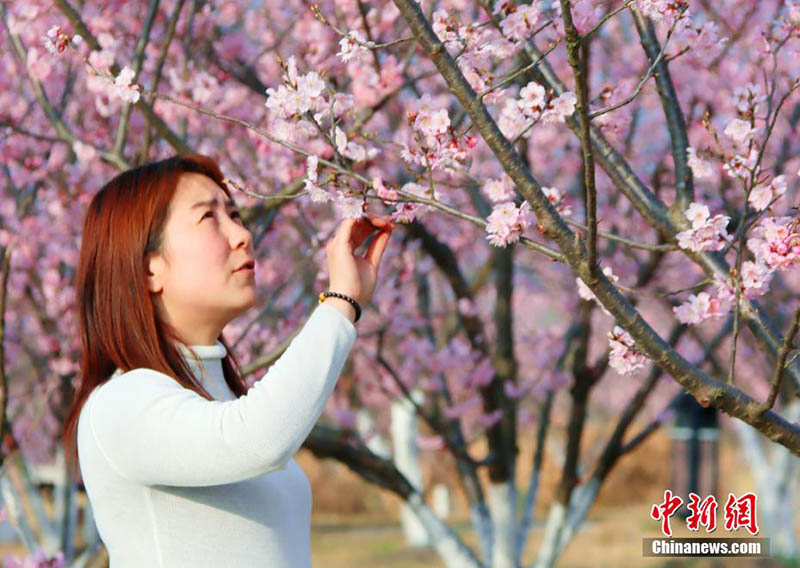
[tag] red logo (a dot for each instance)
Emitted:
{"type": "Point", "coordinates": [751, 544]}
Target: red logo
{"type": "Point", "coordinates": [739, 512]}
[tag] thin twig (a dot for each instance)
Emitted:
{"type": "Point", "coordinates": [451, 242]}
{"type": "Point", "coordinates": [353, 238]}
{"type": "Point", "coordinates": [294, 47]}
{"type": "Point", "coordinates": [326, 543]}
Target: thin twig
{"type": "Point", "coordinates": [783, 351]}
{"type": "Point", "coordinates": [623, 240]}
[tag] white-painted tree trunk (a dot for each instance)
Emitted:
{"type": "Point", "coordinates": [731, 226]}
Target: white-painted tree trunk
{"type": "Point", "coordinates": [564, 522]}
{"type": "Point", "coordinates": [775, 475]}
{"type": "Point", "coordinates": [377, 444]}
{"type": "Point", "coordinates": [552, 530]}
{"type": "Point", "coordinates": [444, 540]}
{"type": "Point", "coordinates": [482, 523]}
{"type": "Point", "coordinates": [25, 477]}
{"type": "Point", "coordinates": [502, 505]}
{"type": "Point", "coordinates": [526, 523]}
{"type": "Point", "coordinates": [406, 459]}
{"type": "Point", "coordinates": [16, 515]}
{"type": "Point", "coordinates": [440, 500]}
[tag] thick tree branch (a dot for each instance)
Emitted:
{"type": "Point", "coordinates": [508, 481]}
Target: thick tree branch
{"type": "Point", "coordinates": [676, 124]}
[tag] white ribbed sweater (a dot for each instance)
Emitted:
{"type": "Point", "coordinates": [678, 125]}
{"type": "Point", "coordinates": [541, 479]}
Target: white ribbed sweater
{"type": "Point", "coordinates": [175, 480]}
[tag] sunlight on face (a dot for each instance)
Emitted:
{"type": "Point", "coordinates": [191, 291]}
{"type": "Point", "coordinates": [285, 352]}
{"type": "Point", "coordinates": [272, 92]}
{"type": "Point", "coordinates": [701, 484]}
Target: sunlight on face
{"type": "Point", "coordinates": [205, 241]}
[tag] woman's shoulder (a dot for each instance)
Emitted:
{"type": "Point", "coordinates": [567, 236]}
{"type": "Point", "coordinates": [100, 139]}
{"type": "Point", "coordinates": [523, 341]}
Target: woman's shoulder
{"type": "Point", "coordinates": [136, 381]}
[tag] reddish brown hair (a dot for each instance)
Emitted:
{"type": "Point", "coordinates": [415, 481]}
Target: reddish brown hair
{"type": "Point", "coordinates": [119, 323]}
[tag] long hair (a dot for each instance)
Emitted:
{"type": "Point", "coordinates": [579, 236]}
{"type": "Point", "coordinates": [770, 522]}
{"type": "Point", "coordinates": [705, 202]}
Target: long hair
{"type": "Point", "coordinates": [119, 323]}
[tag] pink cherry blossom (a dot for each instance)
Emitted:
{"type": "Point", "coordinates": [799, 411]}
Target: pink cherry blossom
{"type": "Point", "coordinates": [700, 168]}
{"type": "Point", "coordinates": [532, 99]}
{"type": "Point", "coordinates": [84, 152]}
{"type": "Point", "coordinates": [354, 46]}
{"type": "Point", "coordinates": [741, 167]}
{"type": "Point", "coordinates": [499, 189]}
{"type": "Point", "coordinates": [624, 357]}
{"type": "Point", "coordinates": [706, 233]}
{"type": "Point", "coordinates": [755, 278]}
{"type": "Point", "coordinates": [383, 192]}
{"type": "Point", "coordinates": [560, 108]}
{"type": "Point", "coordinates": [521, 23]}
{"type": "Point", "coordinates": [506, 223]}
{"type": "Point", "coordinates": [299, 95]}
{"type": "Point", "coordinates": [740, 131]}
{"type": "Point", "coordinates": [747, 97]}
{"type": "Point", "coordinates": [444, 27]}
{"type": "Point", "coordinates": [698, 308]}
{"type": "Point", "coordinates": [555, 197]}
{"type": "Point", "coordinates": [775, 241]}
{"type": "Point", "coordinates": [123, 88]}
{"type": "Point", "coordinates": [763, 194]}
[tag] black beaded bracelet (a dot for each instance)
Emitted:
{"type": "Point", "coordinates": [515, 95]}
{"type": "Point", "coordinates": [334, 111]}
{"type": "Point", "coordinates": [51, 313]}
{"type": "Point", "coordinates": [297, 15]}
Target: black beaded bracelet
{"type": "Point", "coordinates": [323, 295]}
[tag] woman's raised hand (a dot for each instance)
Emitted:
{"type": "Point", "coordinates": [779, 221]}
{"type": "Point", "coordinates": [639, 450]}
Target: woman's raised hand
{"type": "Point", "coordinates": [356, 276]}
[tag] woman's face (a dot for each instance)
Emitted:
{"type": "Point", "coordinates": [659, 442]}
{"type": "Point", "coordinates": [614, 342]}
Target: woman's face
{"type": "Point", "coordinates": [197, 288]}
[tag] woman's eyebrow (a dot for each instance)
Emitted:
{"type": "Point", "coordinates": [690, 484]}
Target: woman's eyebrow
{"type": "Point", "coordinates": [212, 202]}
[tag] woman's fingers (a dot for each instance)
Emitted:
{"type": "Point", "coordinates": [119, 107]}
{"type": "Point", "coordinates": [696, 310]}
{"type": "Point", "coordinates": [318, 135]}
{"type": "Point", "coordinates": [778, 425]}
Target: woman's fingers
{"type": "Point", "coordinates": [355, 230]}
{"type": "Point", "coordinates": [378, 246]}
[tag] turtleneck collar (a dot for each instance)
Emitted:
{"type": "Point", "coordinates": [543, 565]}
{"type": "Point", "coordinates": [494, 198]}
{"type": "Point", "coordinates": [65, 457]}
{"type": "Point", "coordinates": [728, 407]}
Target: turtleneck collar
{"type": "Point", "coordinates": [205, 352]}
{"type": "Point", "coordinates": [209, 372]}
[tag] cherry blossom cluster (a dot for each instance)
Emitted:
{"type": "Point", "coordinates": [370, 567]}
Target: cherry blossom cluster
{"type": "Point", "coordinates": [663, 10]}
{"type": "Point", "coordinates": [624, 357]}
{"type": "Point", "coordinates": [699, 308]}
{"type": "Point", "coordinates": [57, 40]}
{"type": "Point", "coordinates": [299, 93]}
{"type": "Point", "coordinates": [507, 222]}
{"type": "Point", "coordinates": [123, 87]}
{"type": "Point", "coordinates": [476, 48]}
{"type": "Point", "coordinates": [707, 233]}
{"type": "Point", "coordinates": [520, 23]}
{"type": "Point", "coordinates": [354, 46]}
{"type": "Point", "coordinates": [110, 90]}
{"type": "Point", "coordinates": [775, 242]}
{"type": "Point", "coordinates": [534, 105]}
{"type": "Point", "coordinates": [437, 146]}
{"type": "Point", "coordinates": [499, 189]}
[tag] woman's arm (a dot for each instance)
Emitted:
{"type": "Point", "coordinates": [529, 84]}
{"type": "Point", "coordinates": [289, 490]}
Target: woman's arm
{"type": "Point", "coordinates": [154, 431]}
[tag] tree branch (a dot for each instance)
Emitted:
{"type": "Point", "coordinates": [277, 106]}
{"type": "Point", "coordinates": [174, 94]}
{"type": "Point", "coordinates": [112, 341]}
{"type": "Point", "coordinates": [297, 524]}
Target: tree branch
{"type": "Point", "coordinates": [578, 56]}
{"type": "Point", "coordinates": [152, 118]}
{"type": "Point", "coordinates": [707, 390]}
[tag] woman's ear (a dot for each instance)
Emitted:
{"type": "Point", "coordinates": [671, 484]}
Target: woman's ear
{"type": "Point", "coordinates": [154, 269]}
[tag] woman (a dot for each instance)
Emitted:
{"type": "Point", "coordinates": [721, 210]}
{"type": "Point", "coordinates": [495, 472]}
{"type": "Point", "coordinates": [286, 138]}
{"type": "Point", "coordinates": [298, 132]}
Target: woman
{"type": "Point", "coordinates": [182, 464]}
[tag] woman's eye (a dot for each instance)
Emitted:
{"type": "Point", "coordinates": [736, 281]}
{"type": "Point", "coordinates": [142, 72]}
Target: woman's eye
{"type": "Point", "coordinates": [235, 214]}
